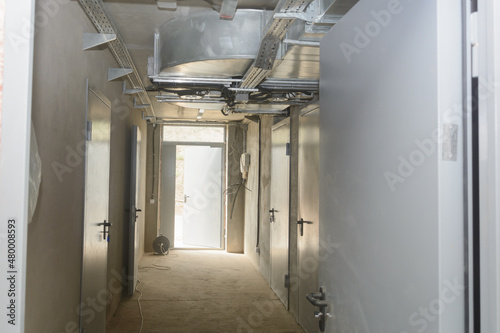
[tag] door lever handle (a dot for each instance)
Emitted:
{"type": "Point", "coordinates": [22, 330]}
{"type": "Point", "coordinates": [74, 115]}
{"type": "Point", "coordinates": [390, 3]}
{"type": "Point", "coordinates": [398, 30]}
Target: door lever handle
{"type": "Point", "coordinates": [301, 223]}
{"type": "Point", "coordinates": [319, 299]}
{"type": "Point", "coordinates": [272, 218]}
{"type": "Point", "coordinates": [105, 226]}
{"type": "Point", "coordinates": [315, 299]}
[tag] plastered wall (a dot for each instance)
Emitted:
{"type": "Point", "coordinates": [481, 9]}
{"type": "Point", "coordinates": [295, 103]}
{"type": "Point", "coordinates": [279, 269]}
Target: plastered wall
{"type": "Point", "coordinates": [55, 235]}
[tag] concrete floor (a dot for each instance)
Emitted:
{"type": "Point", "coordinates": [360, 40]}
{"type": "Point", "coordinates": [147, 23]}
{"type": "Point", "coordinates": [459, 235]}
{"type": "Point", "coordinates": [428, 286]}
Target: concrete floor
{"type": "Point", "coordinates": [202, 292]}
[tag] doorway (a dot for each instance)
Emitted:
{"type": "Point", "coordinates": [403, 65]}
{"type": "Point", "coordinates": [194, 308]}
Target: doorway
{"type": "Point", "coordinates": [192, 179]}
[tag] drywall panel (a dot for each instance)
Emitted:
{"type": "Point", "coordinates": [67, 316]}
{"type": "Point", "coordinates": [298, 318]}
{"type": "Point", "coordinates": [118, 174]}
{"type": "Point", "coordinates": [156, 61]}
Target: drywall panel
{"type": "Point", "coordinates": [391, 196]}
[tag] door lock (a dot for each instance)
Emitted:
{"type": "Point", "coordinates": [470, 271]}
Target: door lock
{"type": "Point", "coordinates": [301, 223]}
{"type": "Point", "coordinates": [272, 218]}
{"type": "Point", "coordinates": [105, 225]}
{"type": "Point", "coordinates": [319, 299]}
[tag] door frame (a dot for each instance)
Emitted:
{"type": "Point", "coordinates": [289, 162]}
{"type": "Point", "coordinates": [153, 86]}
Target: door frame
{"type": "Point", "coordinates": [134, 235]}
{"type": "Point", "coordinates": [301, 312]}
{"type": "Point", "coordinates": [223, 221]}
{"type": "Point", "coordinates": [488, 165]}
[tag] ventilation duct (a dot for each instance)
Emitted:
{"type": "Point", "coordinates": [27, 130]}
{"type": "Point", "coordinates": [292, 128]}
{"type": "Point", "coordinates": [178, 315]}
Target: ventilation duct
{"type": "Point", "coordinates": [200, 62]}
{"type": "Point", "coordinates": [204, 46]}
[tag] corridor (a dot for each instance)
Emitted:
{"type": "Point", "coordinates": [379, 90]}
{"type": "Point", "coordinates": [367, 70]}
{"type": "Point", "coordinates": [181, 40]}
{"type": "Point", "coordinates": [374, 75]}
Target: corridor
{"type": "Point", "coordinates": [202, 292]}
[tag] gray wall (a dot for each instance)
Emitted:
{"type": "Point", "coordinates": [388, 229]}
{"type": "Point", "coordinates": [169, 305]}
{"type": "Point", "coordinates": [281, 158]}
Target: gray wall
{"type": "Point", "coordinates": [391, 203]}
{"type": "Point", "coordinates": [235, 222]}
{"type": "Point", "coordinates": [252, 197]}
{"type": "Point", "coordinates": [254, 205]}
{"type": "Point", "coordinates": [153, 156]}
{"type": "Point", "coordinates": [55, 235]}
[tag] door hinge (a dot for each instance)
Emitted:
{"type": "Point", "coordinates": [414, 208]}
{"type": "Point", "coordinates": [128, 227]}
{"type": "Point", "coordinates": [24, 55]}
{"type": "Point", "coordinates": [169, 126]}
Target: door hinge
{"type": "Point", "coordinates": [287, 281]}
{"type": "Point", "coordinates": [89, 131]}
{"type": "Point", "coordinates": [288, 149]}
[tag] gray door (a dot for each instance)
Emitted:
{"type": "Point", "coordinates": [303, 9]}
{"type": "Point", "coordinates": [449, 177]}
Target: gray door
{"type": "Point", "coordinates": [133, 242]}
{"type": "Point", "coordinates": [279, 215]}
{"type": "Point", "coordinates": [391, 169]}
{"type": "Point", "coordinates": [95, 242]}
{"type": "Point", "coordinates": [202, 224]}
{"type": "Point", "coordinates": [308, 214]}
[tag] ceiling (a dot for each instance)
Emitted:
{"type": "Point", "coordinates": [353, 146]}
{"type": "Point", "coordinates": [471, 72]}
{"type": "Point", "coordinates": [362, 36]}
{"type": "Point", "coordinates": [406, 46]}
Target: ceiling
{"type": "Point", "coordinates": [136, 21]}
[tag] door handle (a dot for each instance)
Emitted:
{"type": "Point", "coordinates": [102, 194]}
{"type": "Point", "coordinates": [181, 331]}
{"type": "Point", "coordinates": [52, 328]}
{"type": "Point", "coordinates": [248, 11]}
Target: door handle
{"type": "Point", "coordinates": [318, 299]}
{"type": "Point", "coordinates": [301, 223]}
{"type": "Point", "coordinates": [137, 210]}
{"type": "Point", "coordinates": [272, 218]}
{"type": "Point", "coordinates": [315, 299]}
{"type": "Point", "coordinates": [105, 225]}
{"type": "Point", "coordinates": [186, 198]}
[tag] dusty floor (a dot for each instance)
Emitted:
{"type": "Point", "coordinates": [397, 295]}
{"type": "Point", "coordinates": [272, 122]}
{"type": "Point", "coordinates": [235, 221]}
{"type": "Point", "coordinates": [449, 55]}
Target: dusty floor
{"type": "Point", "coordinates": [202, 292]}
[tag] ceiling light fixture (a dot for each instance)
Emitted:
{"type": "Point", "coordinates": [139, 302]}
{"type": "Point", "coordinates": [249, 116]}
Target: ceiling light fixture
{"type": "Point", "coordinates": [200, 114]}
{"type": "Point", "coordinates": [167, 4]}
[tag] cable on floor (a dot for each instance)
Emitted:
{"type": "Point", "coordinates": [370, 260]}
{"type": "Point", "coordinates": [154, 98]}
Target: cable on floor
{"type": "Point", "coordinates": [156, 266]}
{"type": "Point", "coordinates": [139, 303]}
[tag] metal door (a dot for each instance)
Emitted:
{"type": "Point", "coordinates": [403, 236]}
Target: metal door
{"type": "Point", "coordinates": [308, 214]}
{"type": "Point", "coordinates": [202, 224]}
{"type": "Point", "coordinates": [391, 169]}
{"type": "Point", "coordinates": [279, 214]}
{"type": "Point", "coordinates": [133, 242]}
{"type": "Point", "coordinates": [96, 223]}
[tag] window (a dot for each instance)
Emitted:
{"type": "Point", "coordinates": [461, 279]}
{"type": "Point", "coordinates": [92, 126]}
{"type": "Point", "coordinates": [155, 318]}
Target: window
{"type": "Point", "coordinates": [193, 134]}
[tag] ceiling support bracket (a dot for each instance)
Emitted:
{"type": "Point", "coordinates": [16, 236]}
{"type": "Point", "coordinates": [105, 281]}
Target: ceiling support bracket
{"type": "Point", "coordinates": [130, 91]}
{"type": "Point", "coordinates": [92, 40]}
{"type": "Point", "coordinates": [115, 73]}
{"type": "Point", "coordinates": [140, 106]}
{"type": "Point", "coordinates": [98, 15]}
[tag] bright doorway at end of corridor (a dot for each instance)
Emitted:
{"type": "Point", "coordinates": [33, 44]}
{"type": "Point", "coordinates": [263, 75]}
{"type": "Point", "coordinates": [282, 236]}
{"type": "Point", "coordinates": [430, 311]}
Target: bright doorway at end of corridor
{"type": "Point", "coordinates": [192, 176]}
